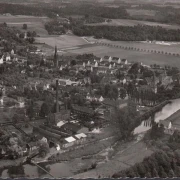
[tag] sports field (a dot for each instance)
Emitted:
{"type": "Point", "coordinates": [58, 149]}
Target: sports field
{"type": "Point", "coordinates": [131, 56]}
{"type": "Point", "coordinates": [33, 23]}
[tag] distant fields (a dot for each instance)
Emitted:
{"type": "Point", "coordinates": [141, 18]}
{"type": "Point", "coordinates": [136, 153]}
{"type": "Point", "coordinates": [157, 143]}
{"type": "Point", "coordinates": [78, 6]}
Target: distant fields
{"type": "Point", "coordinates": [129, 22]}
{"type": "Point", "coordinates": [63, 41]}
{"type": "Point", "coordinates": [33, 23]}
{"type": "Point", "coordinates": [138, 12]}
{"type": "Point", "coordinates": [173, 48]}
{"type": "Point", "coordinates": [132, 56]}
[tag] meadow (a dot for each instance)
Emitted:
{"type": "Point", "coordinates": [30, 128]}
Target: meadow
{"type": "Point", "coordinates": [131, 56]}
{"type": "Point", "coordinates": [33, 23]}
{"type": "Point", "coordinates": [129, 22]}
{"type": "Point", "coordinates": [63, 41]}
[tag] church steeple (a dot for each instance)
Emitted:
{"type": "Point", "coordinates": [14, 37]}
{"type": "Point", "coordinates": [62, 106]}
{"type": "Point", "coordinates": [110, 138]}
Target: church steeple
{"type": "Point", "coordinates": [154, 83]}
{"type": "Point", "coordinates": [55, 57]}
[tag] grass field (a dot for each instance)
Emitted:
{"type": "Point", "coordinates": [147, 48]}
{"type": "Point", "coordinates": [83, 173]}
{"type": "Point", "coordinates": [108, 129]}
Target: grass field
{"type": "Point", "coordinates": [63, 41]}
{"type": "Point", "coordinates": [33, 23]}
{"type": "Point", "coordinates": [124, 159]}
{"type": "Point", "coordinates": [131, 56]}
{"type": "Point", "coordinates": [128, 22]}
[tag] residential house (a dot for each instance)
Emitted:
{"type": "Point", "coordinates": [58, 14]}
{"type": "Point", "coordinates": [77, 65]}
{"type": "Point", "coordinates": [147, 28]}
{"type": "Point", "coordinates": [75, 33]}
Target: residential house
{"type": "Point", "coordinates": [1, 60]}
{"type": "Point", "coordinates": [172, 123]}
{"type": "Point", "coordinates": [107, 58]}
{"type": "Point", "coordinates": [124, 61]}
{"type": "Point", "coordinates": [116, 60]}
{"type": "Point", "coordinates": [98, 59]}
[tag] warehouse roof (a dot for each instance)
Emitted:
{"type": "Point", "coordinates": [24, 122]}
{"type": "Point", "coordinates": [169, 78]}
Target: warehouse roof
{"type": "Point", "coordinates": [70, 139]}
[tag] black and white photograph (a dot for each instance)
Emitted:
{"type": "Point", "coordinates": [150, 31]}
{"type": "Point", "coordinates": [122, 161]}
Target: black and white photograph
{"type": "Point", "coordinates": [89, 89]}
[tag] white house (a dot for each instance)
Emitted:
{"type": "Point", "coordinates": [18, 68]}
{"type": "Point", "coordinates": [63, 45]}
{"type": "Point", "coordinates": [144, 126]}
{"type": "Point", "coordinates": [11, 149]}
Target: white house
{"type": "Point", "coordinates": [108, 58]}
{"type": "Point", "coordinates": [8, 58]}
{"type": "Point", "coordinates": [124, 61]}
{"type": "Point", "coordinates": [98, 59]}
{"type": "Point", "coordinates": [84, 64]}
{"type": "Point", "coordinates": [96, 64]}
{"type": "Point", "coordinates": [1, 60]}
{"type": "Point", "coordinates": [110, 66]}
{"type": "Point", "coordinates": [12, 52]}
{"type": "Point", "coordinates": [101, 99]}
{"type": "Point", "coordinates": [168, 127]}
{"type": "Point", "coordinates": [116, 60]}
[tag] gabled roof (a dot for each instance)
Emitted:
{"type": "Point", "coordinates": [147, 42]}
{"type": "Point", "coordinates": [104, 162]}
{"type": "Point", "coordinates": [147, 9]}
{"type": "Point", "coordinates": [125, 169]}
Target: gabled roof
{"type": "Point", "coordinates": [115, 58]}
{"type": "Point", "coordinates": [97, 58]}
{"type": "Point", "coordinates": [81, 135]}
{"type": "Point", "coordinates": [106, 57]}
{"type": "Point", "coordinates": [123, 60]}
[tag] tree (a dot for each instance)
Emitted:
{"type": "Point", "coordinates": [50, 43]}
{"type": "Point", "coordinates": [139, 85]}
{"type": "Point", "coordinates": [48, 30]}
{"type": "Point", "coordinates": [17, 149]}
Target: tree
{"type": "Point", "coordinates": [25, 26]}
{"type": "Point", "coordinates": [30, 110]}
{"type": "Point", "coordinates": [122, 93]}
{"type": "Point", "coordinates": [162, 173]}
{"type": "Point", "coordinates": [45, 110]}
{"type": "Point", "coordinates": [44, 148]}
{"type": "Point", "coordinates": [171, 173]}
{"type": "Point", "coordinates": [73, 62]}
{"type": "Point", "coordinates": [155, 173]}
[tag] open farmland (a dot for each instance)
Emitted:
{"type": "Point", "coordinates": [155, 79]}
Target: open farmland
{"type": "Point", "coordinates": [138, 12]}
{"type": "Point", "coordinates": [168, 47]}
{"type": "Point", "coordinates": [129, 22]}
{"type": "Point", "coordinates": [33, 23]}
{"type": "Point", "coordinates": [63, 41]}
{"type": "Point", "coordinates": [132, 56]}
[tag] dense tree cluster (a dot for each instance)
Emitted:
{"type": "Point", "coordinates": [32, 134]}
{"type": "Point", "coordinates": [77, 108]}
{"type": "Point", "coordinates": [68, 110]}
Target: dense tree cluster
{"type": "Point", "coordinates": [108, 91]}
{"type": "Point", "coordinates": [166, 14]}
{"type": "Point", "coordinates": [54, 27]}
{"type": "Point", "coordinates": [125, 120]}
{"type": "Point", "coordinates": [128, 33]}
{"type": "Point", "coordinates": [94, 10]}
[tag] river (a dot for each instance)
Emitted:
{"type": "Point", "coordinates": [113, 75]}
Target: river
{"type": "Point", "coordinates": [66, 169]}
{"type": "Point", "coordinates": [166, 111]}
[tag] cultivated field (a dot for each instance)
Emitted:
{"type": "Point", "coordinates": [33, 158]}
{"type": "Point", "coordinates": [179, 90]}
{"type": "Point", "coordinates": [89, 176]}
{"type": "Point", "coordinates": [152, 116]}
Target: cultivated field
{"type": "Point", "coordinates": [138, 12]}
{"type": "Point", "coordinates": [33, 23]}
{"type": "Point", "coordinates": [132, 56]}
{"type": "Point", "coordinates": [128, 22]}
{"type": "Point", "coordinates": [168, 47]}
{"type": "Point", "coordinates": [63, 41]}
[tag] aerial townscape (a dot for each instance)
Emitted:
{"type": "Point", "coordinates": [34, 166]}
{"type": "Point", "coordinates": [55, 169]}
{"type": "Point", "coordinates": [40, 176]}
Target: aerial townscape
{"type": "Point", "coordinates": [89, 88]}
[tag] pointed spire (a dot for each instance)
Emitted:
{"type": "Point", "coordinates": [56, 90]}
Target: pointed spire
{"type": "Point", "coordinates": [55, 57]}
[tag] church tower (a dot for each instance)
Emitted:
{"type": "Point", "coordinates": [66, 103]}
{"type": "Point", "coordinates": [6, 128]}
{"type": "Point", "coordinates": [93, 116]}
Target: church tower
{"type": "Point", "coordinates": [154, 83]}
{"type": "Point", "coordinates": [56, 58]}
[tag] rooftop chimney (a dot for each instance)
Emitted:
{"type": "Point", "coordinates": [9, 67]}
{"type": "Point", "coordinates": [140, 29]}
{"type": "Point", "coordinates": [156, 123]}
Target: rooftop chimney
{"type": "Point", "coordinates": [57, 104]}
